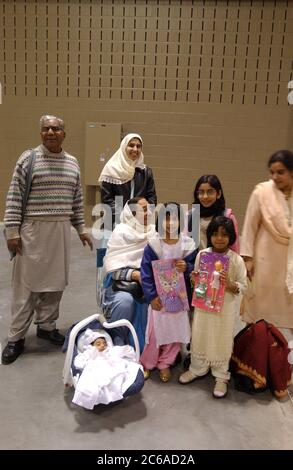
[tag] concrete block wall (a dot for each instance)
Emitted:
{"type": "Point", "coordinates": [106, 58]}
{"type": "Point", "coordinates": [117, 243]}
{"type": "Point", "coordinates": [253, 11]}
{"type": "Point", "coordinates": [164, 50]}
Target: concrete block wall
{"type": "Point", "coordinates": [204, 83]}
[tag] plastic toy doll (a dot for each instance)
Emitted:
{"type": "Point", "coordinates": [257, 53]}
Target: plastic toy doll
{"type": "Point", "coordinates": [215, 282]}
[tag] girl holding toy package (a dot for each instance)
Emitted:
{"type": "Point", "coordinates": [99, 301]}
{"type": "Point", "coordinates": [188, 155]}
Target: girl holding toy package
{"type": "Point", "coordinates": [167, 328]}
{"type": "Point", "coordinates": [212, 332]}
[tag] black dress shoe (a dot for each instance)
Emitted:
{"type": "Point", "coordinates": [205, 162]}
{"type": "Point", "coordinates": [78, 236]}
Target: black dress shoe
{"type": "Point", "coordinates": [53, 336]}
{"type": "Point", "coordinates": [12, 351]}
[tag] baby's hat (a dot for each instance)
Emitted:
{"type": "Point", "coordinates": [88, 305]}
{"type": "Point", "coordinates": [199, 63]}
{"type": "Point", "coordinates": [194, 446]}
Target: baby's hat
{"type": "Point", "coordinates": [89, 336]}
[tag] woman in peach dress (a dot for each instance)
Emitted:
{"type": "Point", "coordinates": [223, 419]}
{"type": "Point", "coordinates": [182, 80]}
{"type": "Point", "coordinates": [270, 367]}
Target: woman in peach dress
{"type": "Point", "coordinates": [267, 247]}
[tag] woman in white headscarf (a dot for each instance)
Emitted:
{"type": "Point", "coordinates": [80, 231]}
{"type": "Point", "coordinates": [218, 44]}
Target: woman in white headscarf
{"type": "Point", "coordinates": [267, 247]}
{"type": "Point", "coordinates": [125, 175]}
{"type": "Point", "coordinates": [123, 259]}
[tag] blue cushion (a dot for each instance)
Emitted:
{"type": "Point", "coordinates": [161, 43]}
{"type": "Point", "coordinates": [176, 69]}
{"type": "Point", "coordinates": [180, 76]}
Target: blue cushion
{"type": "Point", "coordinates": [136, 386]}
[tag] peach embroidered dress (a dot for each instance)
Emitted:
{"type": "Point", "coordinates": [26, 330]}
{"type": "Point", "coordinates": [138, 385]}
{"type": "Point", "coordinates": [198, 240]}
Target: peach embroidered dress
{"type": "Point", "coordinates": [267, 238]}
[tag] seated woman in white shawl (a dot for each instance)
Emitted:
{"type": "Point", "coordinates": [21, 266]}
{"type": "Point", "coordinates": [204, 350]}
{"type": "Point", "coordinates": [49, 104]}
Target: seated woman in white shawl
{"type": "Point", "coordinates": [123, 260]}
{"type": "Point", "coordinates": [107, 370]}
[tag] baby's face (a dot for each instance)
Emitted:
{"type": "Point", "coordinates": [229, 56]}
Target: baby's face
{"type": "Point", "coordinates": [100, 344]}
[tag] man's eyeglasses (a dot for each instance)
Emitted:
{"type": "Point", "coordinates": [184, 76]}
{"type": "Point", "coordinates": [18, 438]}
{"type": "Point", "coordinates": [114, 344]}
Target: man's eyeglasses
{"type": "Point", "coordinates": [209, 192]}
{"type": "Point", "coordinates": [53, 128]}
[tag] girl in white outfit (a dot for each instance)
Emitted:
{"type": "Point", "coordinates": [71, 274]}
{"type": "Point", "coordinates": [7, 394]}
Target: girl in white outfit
{"type": "Point", "coordinates": [212, 332]}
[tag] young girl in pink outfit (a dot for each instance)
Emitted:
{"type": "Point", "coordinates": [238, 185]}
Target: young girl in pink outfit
{"type": "Point", "coordinates": [166, 331]}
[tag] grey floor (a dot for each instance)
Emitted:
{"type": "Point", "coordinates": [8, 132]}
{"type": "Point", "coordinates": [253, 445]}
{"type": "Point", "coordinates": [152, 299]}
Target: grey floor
{"type": "Point", "coordinates": [36, 412]}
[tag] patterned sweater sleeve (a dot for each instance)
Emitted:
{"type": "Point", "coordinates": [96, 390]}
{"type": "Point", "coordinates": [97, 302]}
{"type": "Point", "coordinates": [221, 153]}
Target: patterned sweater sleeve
{"type": "Point", "coordinates": [13, 212]}
{"type": "Point", "coordinates": [77, 218]}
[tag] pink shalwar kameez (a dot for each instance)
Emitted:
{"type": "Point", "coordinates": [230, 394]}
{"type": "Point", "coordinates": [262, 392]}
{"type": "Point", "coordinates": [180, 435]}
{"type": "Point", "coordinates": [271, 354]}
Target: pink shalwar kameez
{"type": "Point", "coordinates": [165, 331]}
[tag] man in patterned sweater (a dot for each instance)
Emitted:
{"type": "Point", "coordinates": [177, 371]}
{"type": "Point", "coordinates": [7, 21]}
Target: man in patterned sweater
{"type": "Point", "coordinates": [41, 241]}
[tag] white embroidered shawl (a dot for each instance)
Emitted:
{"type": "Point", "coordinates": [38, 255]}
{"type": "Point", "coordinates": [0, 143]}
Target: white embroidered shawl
{"type": "Point", "coordinates": [127, 242]}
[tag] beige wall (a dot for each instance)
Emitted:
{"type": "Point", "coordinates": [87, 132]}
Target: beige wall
{"type": "Point", "coordinates": [204, 83]}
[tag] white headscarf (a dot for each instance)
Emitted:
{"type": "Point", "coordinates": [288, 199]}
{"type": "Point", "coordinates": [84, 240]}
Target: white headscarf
{"type": "Point", "coordinates": [127, 242]}
{"type": "Point", "coordinates": [89, 336]}
{"type": "Point", "coordinates": [120, 169]}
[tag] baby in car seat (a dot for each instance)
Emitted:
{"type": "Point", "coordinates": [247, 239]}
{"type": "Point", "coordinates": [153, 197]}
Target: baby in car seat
{"type": "Point", "coordinates": [107, 371]}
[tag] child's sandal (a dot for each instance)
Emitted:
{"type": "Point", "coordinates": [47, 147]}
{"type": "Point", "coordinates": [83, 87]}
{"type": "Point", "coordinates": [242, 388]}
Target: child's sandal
{"type": "Point", "coordinates": [165, 375]}
{"type": "Point", "coordinates": [221, 389]}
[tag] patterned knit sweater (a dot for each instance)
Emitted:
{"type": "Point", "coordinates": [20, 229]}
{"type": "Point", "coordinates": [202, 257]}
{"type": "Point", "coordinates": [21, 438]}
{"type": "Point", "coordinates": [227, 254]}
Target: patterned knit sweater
{"type": "Point", "coordinates": [55, 190]}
